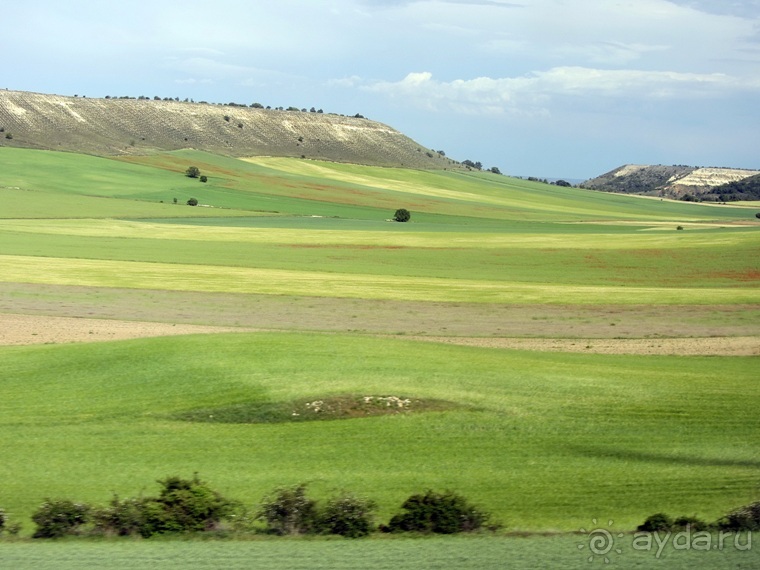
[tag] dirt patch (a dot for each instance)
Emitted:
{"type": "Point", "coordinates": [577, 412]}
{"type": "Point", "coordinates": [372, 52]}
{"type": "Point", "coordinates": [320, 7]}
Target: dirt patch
{"type": "Point", "coordinates": [287, 312]}
{"type": "Point", "coordinates": [38, 329]}
{"type": "Point", "coordinates": [35, 313]}
{"type": "Point", "coordinates": [727, 346]}
{"type": "Point", "coordinates": [316, 409]}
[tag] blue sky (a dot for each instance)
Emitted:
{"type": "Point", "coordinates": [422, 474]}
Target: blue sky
{"type": "Point", "coordinates": [551, 88]}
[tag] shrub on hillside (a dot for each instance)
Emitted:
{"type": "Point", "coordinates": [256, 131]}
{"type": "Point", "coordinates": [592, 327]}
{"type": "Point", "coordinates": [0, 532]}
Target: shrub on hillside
{"type": "Point", "coordinates": [57, 518]}
{"type": "Point", "coordinates": [7, 526]}
{"type": "Point", "coordinates": [121, 517]}
{"type": "Point", "coordinates": [347, 515]}
{"type": "Point", "coordinates": [192, 202]}
{"type": "Point", "coordinates": [193, 172]}
{"type": "Point", "coordinates": [183, 505]}
{"type": "Point", "coordinates": [204, 178]}
{"type": "Point", "coordinates": [443, 513]}
{"type": "Point", "coordinates": [289, 511]}
{"type": "Point", "coordinates": [743, 518]}
{"type": "Point", "coordinates": [655, 523]}
{"type": "Point", "coordinates": [690, 523]}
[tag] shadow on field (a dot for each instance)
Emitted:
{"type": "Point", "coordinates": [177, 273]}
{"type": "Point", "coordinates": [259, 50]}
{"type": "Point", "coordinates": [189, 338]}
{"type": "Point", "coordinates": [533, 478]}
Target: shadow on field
{"type": "Point", "coordinates": [651, 457]}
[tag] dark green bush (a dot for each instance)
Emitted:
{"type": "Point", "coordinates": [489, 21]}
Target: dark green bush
{"type": "Point", "coordinates": [347, 515]}
{"type": "Point", "coordinates": [3, 520]}
{"type": "Point", "coordinates": [204, 178]}
{"type": "Point", "coordinates": [692, 523]}
{"type": "Point", "coordinates": [192, 202]}
{"type": "Point", "coordinates": [61, 517]}
{"type": "Point", "coordinates": [183, 505]}
{"type": "Point", "coordinates": [289, 511]}
{"type": "Point", "coordinates": [193, 172]}
{"type": "Point", "coordinates": [121, 517]}
{"type": "Point", "coordinates": [656, 522]}
{"type": "Point", "coordinates": [743, 518]}
{"type": "Point", "coordinates": [443, 513]}
{"type": "Point", "coordinates": [402, 215]}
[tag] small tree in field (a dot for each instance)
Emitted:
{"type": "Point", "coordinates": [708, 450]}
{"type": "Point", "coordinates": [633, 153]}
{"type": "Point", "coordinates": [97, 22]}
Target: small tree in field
{"type": "Point", "coordinates": [193, 172]}
{"type": "Point", "coordinates": [192, 202]}
{"type": "Point", "coordinates": [204, 178]}
{"type": "Point", "coordinates": [402, 215]}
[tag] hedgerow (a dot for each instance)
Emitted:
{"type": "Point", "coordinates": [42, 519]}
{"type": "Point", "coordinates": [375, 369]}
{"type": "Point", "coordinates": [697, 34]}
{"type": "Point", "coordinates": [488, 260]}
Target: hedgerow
{"type": "Point", "coordinates": [191, 506]}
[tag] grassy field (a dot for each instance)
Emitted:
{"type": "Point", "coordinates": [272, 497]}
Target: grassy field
{"type": "Point", "coordinates": [547, 441]}
{"type": "Point", "coordinates": [466, 553]}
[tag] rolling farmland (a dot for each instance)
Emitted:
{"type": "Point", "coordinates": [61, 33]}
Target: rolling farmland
{"type": "Point", "coordinates": [321, 296]}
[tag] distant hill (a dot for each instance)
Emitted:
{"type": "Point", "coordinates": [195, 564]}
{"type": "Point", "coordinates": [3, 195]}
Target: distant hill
{"type": "Point", "coordinates": [139, 126]}
{"type": "Point", "coordinates": [678, 182]}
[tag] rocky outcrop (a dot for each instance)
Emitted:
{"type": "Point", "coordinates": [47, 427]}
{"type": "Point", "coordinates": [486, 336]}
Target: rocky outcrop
{"type": "Point", "coordinates": [680, 182]}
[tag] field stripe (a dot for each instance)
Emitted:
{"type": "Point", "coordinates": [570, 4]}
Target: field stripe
{"type": "Point", "coordinates": [637, 238]}
{"type": "Point", "coordinates": [183, 277]}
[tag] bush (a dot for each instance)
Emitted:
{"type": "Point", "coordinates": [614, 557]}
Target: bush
{"type": "Point", "coordinates": [347, 515]}
{"type": "Point", "coordinates": [692, 523]}
{"type": "Point", "coordinates": [744, 518]}
{"type": "Point", "coordinates": [192, 202]}
{"type": "Point", "coordinates": [443, 513]}
{"type": "Point", "coordinates": [289, 511]}
{"type": "Point", "coordinates": [656, 522]}
{"type": "Point", "coordinates": [58, 518]}
{"type": "Point", "coordinates": [122, 518]}
{"type": "Point", "coordinates": [193, 172]}
{"type": "Point", "coordinates": [757, 215]}
{"type": "Point", "coordinates": [3, 520]}
{"type": "Point", "coordinates": [402, 215]}
{"type": "Point", "coordinates": [204, 178]}
{"type": "Point", "coordinates": [184, 505]}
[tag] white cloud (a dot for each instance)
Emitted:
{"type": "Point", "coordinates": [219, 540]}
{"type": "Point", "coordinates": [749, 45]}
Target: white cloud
{"type": "Point", "coordinates": [533, 93]}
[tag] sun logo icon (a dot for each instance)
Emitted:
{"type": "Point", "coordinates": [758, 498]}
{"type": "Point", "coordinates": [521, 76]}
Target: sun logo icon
{"type": "Point", "coordinates": [600, 542]}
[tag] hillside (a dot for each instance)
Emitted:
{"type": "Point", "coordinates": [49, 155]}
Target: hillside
{"type": "Point", "coordinates": [109, 127]}
{"type": "Point", "coordinates": [678, 182]}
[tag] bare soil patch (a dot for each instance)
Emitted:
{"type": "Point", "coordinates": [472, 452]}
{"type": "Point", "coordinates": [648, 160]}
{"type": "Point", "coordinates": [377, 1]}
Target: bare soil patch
{"type": "Point", "coordinates": [93, 313]}
{"type": "Point", "coordinates": [39, 329]}
{"type": "Point", "coordinates": [344, 407]}
{"type": "Point", "coordinates": [725, 346]}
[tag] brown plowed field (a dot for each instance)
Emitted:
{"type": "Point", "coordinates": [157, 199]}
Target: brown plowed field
{"type": "Point", "coordinates": [39, 329]}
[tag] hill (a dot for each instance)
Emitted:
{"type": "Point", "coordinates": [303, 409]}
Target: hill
{"type": "Point", "coordinates": [109, 127]}
{"type": "Point", "coordinates": [689, 183]}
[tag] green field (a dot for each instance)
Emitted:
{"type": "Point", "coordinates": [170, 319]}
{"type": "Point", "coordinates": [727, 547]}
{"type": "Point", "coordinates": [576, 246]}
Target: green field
{"type": "Point", "coordinates": [466, 553]}
{"type": "Point", "coordinates": [548, 441]}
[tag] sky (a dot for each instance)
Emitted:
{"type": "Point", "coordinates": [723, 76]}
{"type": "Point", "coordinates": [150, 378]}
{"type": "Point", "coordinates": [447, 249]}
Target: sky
{"type": "Point", "coordinates": [550, 88]}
